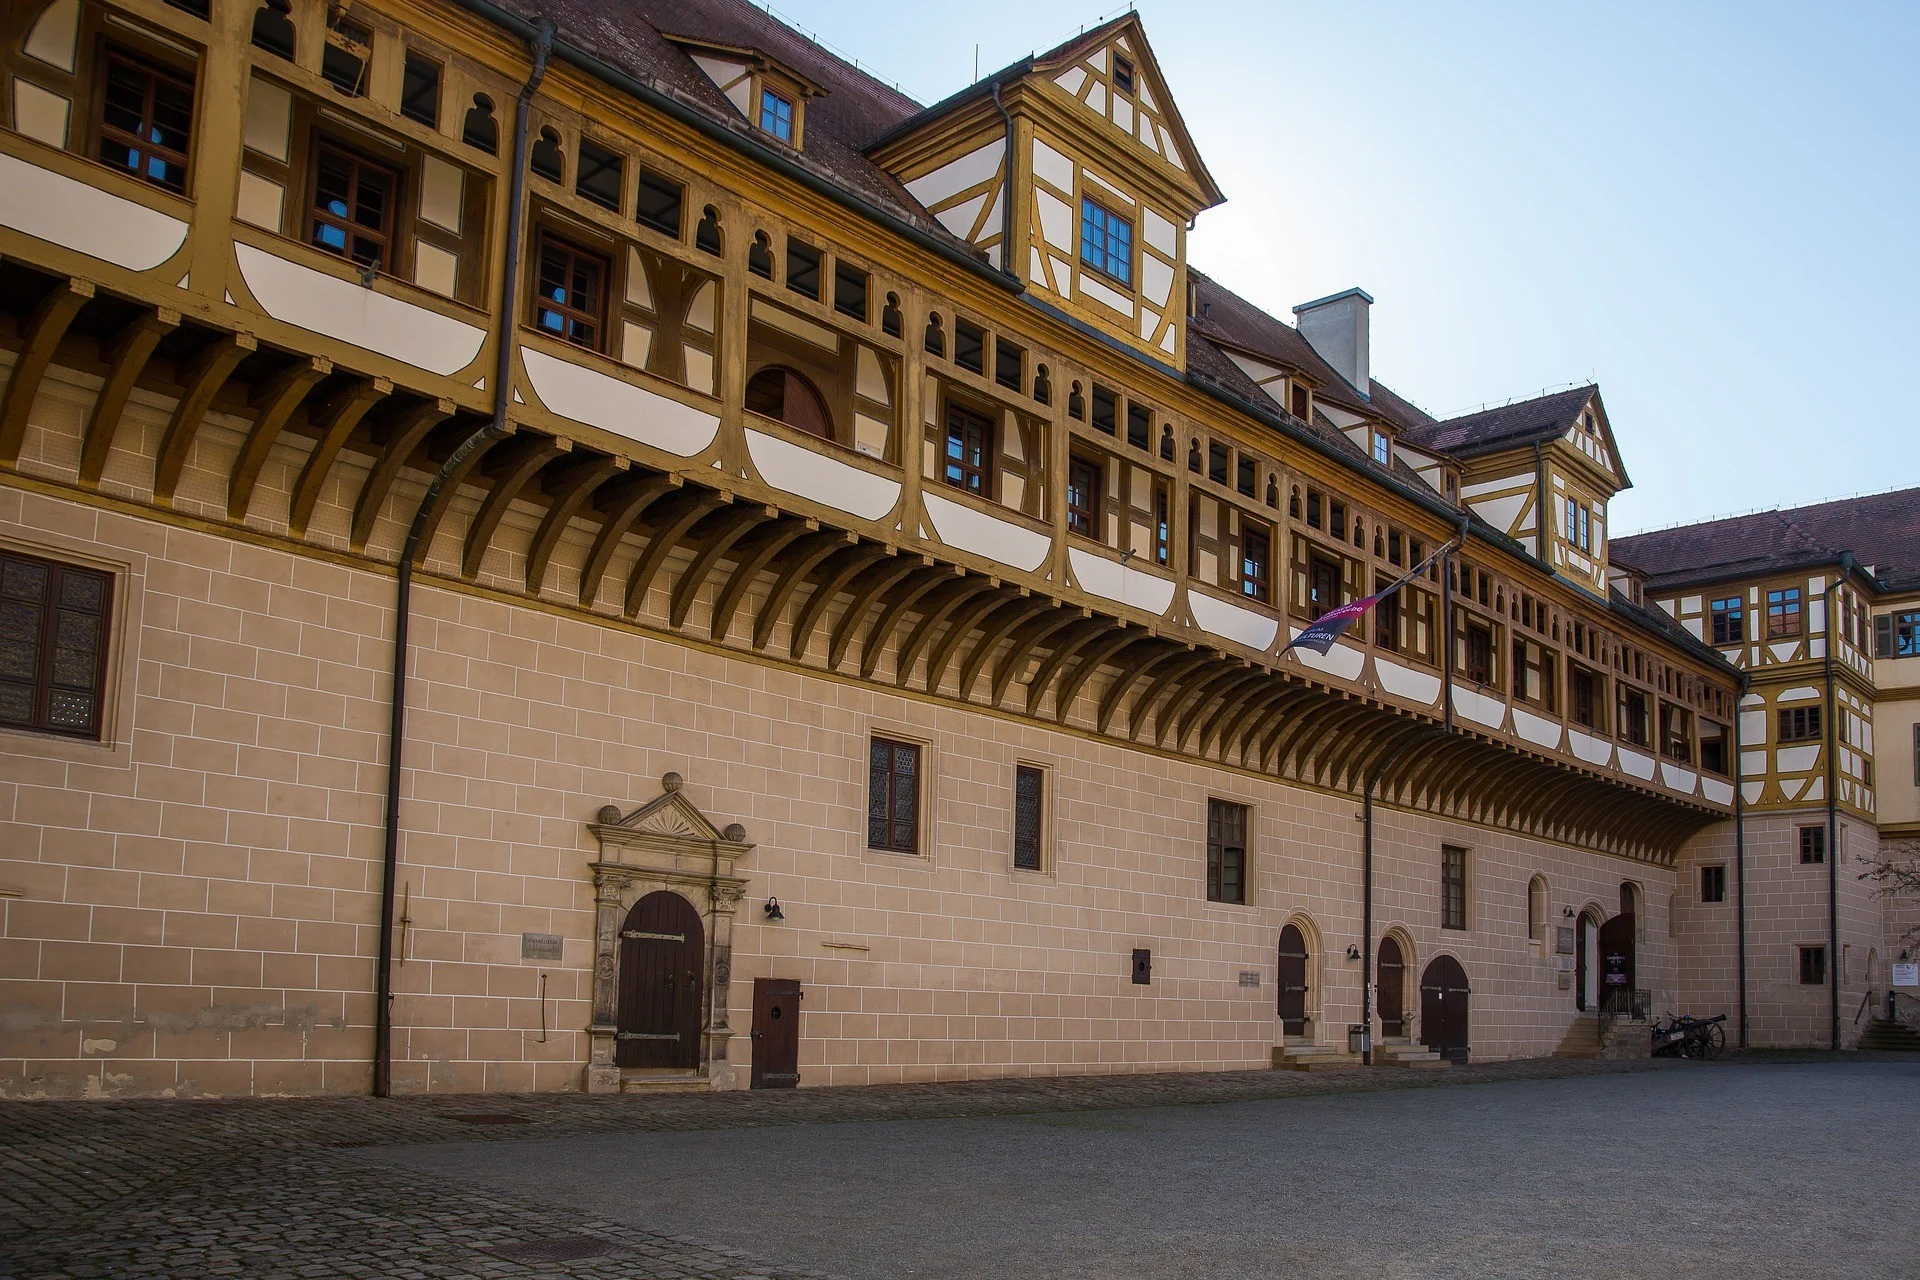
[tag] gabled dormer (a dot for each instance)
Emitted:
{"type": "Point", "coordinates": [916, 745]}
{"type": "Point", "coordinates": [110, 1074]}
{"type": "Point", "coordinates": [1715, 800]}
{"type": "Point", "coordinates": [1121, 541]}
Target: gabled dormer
{"type": "Point", "coordinates": [1104, 181]}
{"type": "Point", "coordinates": [768, 93]}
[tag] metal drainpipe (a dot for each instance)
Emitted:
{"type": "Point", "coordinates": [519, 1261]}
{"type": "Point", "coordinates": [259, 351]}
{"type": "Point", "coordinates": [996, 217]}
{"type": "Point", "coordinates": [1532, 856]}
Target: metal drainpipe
{"type": "Point", "coordinates": [1366, 877]}
{"type": "Point", "coordinates": [1740, 862]}
{"type": "Point", "coordinates": [1006, 212]}
{"type": "Point", "coordinates": [1542, 519]}
{"type": "Point", "coordinates": [1833, 803]}
{"type": "Point", "coordinates": [1446, 623]}
{"type": "Point", "coordinates": [403, 597]}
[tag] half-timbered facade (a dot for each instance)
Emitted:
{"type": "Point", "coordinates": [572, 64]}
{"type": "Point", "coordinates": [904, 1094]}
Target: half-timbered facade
{"type": "Point", "coordinates": [428, 426]}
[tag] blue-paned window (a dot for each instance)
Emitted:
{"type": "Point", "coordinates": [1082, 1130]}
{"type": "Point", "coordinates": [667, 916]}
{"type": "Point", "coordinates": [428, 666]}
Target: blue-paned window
{"type": "Point", "coordinates": [776, 115]}
{"type": "Point", "coordinates": [1106, 242]}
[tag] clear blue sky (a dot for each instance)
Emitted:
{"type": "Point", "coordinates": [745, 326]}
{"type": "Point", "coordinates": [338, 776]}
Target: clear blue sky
{"type": "Point", "coordinates": [1710, 209]}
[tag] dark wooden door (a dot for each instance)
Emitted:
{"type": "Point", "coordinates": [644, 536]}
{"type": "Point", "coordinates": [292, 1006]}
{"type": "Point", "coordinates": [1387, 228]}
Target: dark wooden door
{"type": "Point", "coordinates": [662, 957]}
{"type": "Point", "coordinates": [1582, 935]}
{"type": "Point", "coordinates": [776, 1033]}
{"type": "Point", "coordinates": [1391, 992]}
{"type": "Point", "coordinates": [1443, 1008]}
{"type": "Point", "coordinates": [1616, 958]}
{"type": "Point", "coordinates": [1293, 982]}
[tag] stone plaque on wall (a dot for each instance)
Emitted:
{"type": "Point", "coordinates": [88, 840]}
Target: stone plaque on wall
{"type": "Point", "coordinates": [1249, 977]}
{"type": "Point", "coordinates": [540, 946]}
{"type": "Point", "coordinates": [1563, 941]}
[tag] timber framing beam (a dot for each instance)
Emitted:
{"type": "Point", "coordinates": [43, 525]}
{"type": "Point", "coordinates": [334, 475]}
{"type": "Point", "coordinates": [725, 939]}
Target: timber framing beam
{"type": "Point", "coordinates": [747, 567]}
{"type": "Point", "coordinates": [406, 432]}
{"type": "Point", "coordinates": [715, 542]}
{"type": "Point", "coordinates": [509, 469]}
{"type": "Point", "coordinates": [336, 420]}
{"type": "Point", "coordinates": [567, 494]}
{"type": "Point", "coordinates": [273, 402]}
{"type": "Point", "coordinates": [205, 376]}
{"type": "Point", "coordinates": [621, 510]}
{"type": "Point", "coordinates": [43, 332]}
{"type": "Point", "coordinates": [126, 359]}
{"type": "Point", "coordinates": [832, 582]}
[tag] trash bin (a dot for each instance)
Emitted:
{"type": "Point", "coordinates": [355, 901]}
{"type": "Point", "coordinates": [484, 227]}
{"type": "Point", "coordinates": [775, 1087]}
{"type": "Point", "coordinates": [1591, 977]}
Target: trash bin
{"type": "Point", "coordinates": [1357, 1039]}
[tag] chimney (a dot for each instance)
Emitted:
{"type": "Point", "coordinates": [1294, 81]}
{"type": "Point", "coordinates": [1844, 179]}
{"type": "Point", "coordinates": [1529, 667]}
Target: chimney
{"type": "Point", "coordinates": [1336, 326]}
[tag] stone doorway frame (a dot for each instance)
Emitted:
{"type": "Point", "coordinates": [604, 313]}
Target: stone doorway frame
{"type": "Point", "coordinates": [668, 844]}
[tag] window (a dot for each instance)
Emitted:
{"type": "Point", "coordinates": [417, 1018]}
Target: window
{"type": "Point", "coordinates": [1453, 887]}
{"type": "Point", "coordinates": [849, 290]}
{"type": "Point", "coordinates": [1713, 748]}
{"type": "Point", "coordinates": [1583, 699]}
{"type": "Point", "coordinates": [1139, 426]}
{"type": "Point", "coordinates": [545, 157]}
{"type": "Point", "coordinates": [1797, 724]}
{"type": "Point", "coordinates": [1537, 909]}
{"type": "Point", "coordinates": [1813, 845]}
{"type": "Point", "coordinates": [1122, 76]}
{"type": "Point", "coordinates": [1382, 448]}
{"type": "Point", "coordinates": [1586, 541]}
{"type": "Point", "coordinates": [1106, 409]}
{"type": "Point", "coordinates": [53, 645]}
{"type": "Point", "coordinates": [657, 202]}
{"type": "Point", "coordinates": [1633, 716]}
{"type": "Point", "coordinates": [1713, 884]}
{"type": "Point", "coordinates": [706, 236]}
{"type": "Point", "coordinates": [598, 175]}
{"type": "Point", "coordinates": [1042, 386]}
{"type": "Point", "coordinates": [273, 28]}
{"type": "Point", "coordinates": [146, 121]}
{"type": "Point", "coordinates": [1783, 613]}
{"type": "Point", "coordinates": [1813, 966]}
{"type": "Point", "coordinates": [969, 462]}
{"type": "Point", "coordinates": [349, 48]}
{"type": "Point", "coordinates": [1897, 635]}
{"type": "Point", "coordinates": [1386, 622]}
{"type": "Point", "coordinates": [570, 300]}
{"type": "Point", "coordinates": [1029, 816]}
{"type": "Point", "coordinates": [1323, 586]}
{"type": "Point", "coordinates": [776, 115]}
{"type": "Point", "coordinates": [1217, 461]}
{"type": "Point", "coordinates": [1728, 621]}
{"type": "Point", "coordinates": [353, 204]}
{"type": "Point", "coordinates": [893, 796]}
{"type": "Point", "coordinates": [1009, 364]}
{"type": "Point", "coordinates": [1083, 497]}
{"type": "Point", "coordinates": [1247, 476]}
{"type": "Point", "coordinates": [785, 396]}
{"type": "Point", "coordinates": [420, 91]}
{"type": "Point", "coordinates": [1106, 242]}
{"type": "Point", "coordinates": [1479, 654]}
{"type": "Point", "coordinates": [1076, 404]}
{"type": "Point", "coordinates": [803, 269]}
{"type": "Point", "coordinates": [480, 129]}
{"type": "Point", "coordinates": [1256, 563]}
{"type": "Point", "coordinates": [1676, 733]}
{"type": "Point", "coordinates": [760, 259]}
{"type": "Point", "coordinates": [1299, 399]}
{"type": "Point", "coordinates": [1226, 851]}
{"type": "Point", "coordinates": [1163, 542]}
{"type": "Point", "coordinates": [891, 324]}
{"type": "Point", "coordinates": [969, 346]}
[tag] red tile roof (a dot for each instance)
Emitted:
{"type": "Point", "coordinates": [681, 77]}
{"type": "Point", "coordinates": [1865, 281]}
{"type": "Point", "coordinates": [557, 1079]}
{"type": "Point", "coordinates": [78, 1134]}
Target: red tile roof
{"type": "Point", "coordinates": [1882, 531]}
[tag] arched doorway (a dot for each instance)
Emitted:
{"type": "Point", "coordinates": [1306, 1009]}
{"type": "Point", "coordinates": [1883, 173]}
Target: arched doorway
{"type": "Point", "coordinates": [1614, 940]}
{"type": "Point", "coordinates": [662, 954]}
{"type": "Point", "coordinates": [1292, 980]}
{"type": "Point", "coordinates": [1586, 963]}
{"type": "Point", "coordinates": [1391, 989]}
{"type": "Point", "coordinates": [785, 396]}
{"type": "Point", "coordinates": [1443, 1009]}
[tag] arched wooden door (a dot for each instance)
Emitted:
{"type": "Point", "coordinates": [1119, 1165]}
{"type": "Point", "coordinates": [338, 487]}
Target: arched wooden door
{"type": "Point", "coordinates": [1443, 1008]}
{"type": "Point", "coordinates": [1616, 958]}
{"type": "Point", "coordinates": [1293, 981]}
{"type": "Point", "coordinates": [1582, 968]}
{"type": "Point", "coordinates": [1392, 988]}
{"type": "Point", "coordinates": [662, 958]}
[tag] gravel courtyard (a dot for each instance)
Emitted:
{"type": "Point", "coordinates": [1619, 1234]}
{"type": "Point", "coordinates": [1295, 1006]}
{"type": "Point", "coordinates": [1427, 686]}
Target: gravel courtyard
{"type": "Point", "coordinates": [1744, 1168]}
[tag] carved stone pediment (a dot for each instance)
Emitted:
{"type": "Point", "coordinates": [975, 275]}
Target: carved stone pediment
{"type": "Point", "coordinates": [669, 834]}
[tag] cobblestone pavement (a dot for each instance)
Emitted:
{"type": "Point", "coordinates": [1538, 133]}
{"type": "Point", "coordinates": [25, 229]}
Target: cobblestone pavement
{"type": "Point", "coordinates": [274, 1188]}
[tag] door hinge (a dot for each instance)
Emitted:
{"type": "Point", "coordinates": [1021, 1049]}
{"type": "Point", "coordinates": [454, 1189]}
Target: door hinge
{"type": "Point", "coordinates": [653, 937]}
{"type": "Point", "coordinates": [646, 1035]}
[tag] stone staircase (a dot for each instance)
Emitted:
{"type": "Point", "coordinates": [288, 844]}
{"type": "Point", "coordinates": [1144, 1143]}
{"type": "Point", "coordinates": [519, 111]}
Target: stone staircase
{"type": "Point", "coordinates": [1582, 1039]}
{"type": "Point", "coordinates": [1298, 1054]}
{"type": "Point", "coordinates": [1625, 1039]}
{"type": "Point", "coordinates": [642, 1080]}
{"type": "Point", "coordinates": [1890, 1036]}
{"type": "Point", "coordinates": [1401, 1051]}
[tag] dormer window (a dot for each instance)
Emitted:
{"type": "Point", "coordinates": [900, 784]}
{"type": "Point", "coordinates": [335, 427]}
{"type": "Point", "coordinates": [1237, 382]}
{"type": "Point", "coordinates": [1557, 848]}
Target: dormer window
{"type": "Point", "coordinates": [776, 115]}
{"type": "Point", "coordinates": [1122, 76]}
{"type": "Point", "coordinates": [1382, 448]}
{"type": "Point", "coordinates": [1106, 242]}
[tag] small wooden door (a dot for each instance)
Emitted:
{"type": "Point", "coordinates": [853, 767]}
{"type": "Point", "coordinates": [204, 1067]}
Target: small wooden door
{"type": "Point", "coordinates": [1443, 1009]}
{"type": "Point", "coordinates": [662, 957]}
{"type": "Point", "coordinates": [776, 1033]}
{"type": "Point", "coordinates": [1293, 982]}
{"type": "Point", "coordinates": [1391, 991]}
{"type": "Point", "coordinates": [1616, 958]}
{"type": "Point", "coordinates": [1582, 945]}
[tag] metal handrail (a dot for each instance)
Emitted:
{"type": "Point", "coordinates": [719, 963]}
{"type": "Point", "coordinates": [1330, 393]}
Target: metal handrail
{"type": "Point", "coordinates": [1634, 1006]}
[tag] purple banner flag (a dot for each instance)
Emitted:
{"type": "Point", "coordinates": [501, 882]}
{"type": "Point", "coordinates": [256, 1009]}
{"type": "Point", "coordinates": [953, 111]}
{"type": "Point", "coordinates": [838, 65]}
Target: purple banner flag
{"type": "Point", "coordinates": [1333, 624]}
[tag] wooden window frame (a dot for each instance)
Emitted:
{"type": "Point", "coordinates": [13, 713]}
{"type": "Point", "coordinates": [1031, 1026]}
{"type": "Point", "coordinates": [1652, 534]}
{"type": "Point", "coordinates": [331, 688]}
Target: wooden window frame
{"type": "Point", "coordinates": [1163, 521]}
{"type": "Point", "coordinates": [1798, 724]}
{"type": "Point", "coordinates": [960, 417]}
{"type": "Point", "coordinates": [1483, 672]}
{"type": "Point", "coordinates": [1030, 848]}
{"type": "Point", "coordinates": [1713, 883]}
{"type": "Point", "coordinates": [888, 776]}
{"type": "Point", "coordinates": [387, 235]}
{"type": "Point", "coordinates": [790, 118]}
{"type": "Point", "coordinates": [1812, 841]}
{"type": "Point", "coordinates": [52, 605]}
{"type": "Point", "coordinates": [1256, 574]}
{"type": "Point", "coordinates": [1813, 966]}
{"type": "Point", "coordinates": [438, 68]}
{"type": "Point", "coordinates": [1728, 620]}
{"type": "Point", "coordinates": [543, 238]}
{"type": "Point", "coordinates": [1109, 219]}
{"type": "Point", "coordinates": [1455, 879]}
{"type": "Point", "coordinates": [1223, 853]}
{"type": "Point", "coordinates": [1790, 618]}
{"type": "Point", "coordinates": [155, 70]}
{"type": "Point", "coordinates": [1083, 517]}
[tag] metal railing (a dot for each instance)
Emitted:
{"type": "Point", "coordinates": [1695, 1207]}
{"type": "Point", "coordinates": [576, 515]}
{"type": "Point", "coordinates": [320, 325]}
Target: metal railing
{"type": "Point", "coordinates": [1633, 1006]}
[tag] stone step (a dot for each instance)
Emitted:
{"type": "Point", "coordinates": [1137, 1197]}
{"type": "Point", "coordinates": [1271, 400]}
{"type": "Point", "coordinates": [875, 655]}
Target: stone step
{"type": "Point", "coordinates": [1408, 1055]}
{"type": "Point", "coordinates": [664, 1082]}
{"type": "Point", "coordinates": [1885, 1036]}
{"type": "Point", "coordinates": [1312, 1057]}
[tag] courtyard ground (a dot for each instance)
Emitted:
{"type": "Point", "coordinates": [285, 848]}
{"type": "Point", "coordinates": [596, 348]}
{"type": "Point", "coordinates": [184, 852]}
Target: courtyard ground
{"type": "Point", "coordinates": [1785, 1165]}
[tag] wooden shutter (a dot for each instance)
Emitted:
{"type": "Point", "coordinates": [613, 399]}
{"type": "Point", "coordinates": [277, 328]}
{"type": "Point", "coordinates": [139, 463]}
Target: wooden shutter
{"type": "Point", "coordinates": [1883, 636]}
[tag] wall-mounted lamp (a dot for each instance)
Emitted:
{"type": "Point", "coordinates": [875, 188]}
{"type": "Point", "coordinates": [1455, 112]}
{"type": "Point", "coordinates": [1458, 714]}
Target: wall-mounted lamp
{"type": "Point", "coordinates": [772, 908]}
{"type": "Point", "coordinates": [1566, 913]}
{"type": "Point", "coordinates": [1353, 951]}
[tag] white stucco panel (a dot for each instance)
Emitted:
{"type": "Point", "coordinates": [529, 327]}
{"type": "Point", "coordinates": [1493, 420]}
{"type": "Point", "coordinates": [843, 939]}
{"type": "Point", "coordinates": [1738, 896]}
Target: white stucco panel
{"type": "Point", "coordinates": [1342, 660]}
{"type": "Point", "coordinates": [1050, 166]}
{"type": "Point", "coordinates": [600, 400]}
{"type": "Point", "coordinates": [1404, 682]}
{"type": "Point", "coordinates": [1717, 791]}
{"type": "Point", "coordinates": [986, 535]}
{"type": "Point", "coordinates": [1536, 729]}
{"type": "Point", "coordinates": [1589, 747]}
{"type": "Point", "coordinates": [1796, 759]}
{"type": "Point", "coordinates": [982, 164]}
{"type": "Point", "coordinates": [1677, 778]}
{"type": "Point", "coordinates": [1114, 581]}
{"type": "Point", "coordinates": [1156, 277]}
{"type": "Point", "coordinates": [1099, 292]}
{"type": "Point", "coordinates": [97, 223]}
{"type": "Point", "coordinates": [1056, 220]}
{"type": "Point", "coordinates": [1635, 765]}
{"type": "Point", "coordinates": [825, 480]}
{"type": "Point", "coordinates": [1232, 622]}
{"type": "Point", "coordinates": [367, 318]}
{"type": "Point", "coordinates": [1160, 234]}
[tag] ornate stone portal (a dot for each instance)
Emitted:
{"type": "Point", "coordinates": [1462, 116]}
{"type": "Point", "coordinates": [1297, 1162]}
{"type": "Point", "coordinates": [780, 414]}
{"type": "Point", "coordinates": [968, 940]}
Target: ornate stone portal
{"type": "Point", "coordinates": [667, 844]}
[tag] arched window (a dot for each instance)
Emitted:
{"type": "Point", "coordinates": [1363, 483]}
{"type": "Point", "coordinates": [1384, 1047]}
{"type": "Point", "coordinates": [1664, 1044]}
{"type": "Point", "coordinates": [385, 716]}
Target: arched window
{"type": "Point", "coordinates": [706, 236]}
{"type": "Point", "coordinates": [480, 128]}
{"type": "Point", "coordinates": [1293, 503]}
{"type": "Point", "coordinates": [1537, 909]}
{"type": "Point", "coordinates": [1042, 386]}
{"type": "Point", "coordinates": [1076, 404]}
{"type": "Point", "coordinates": [1359, 533]}
{"type": "Point", "coordinates": [785, 396]}
{"type": "Point", "coordinates": [1166, 442]}
{"type": "Point", "coordinates": [936, 339]}
{"type": "Point", "coordinates": [547, 159]}
{"type": "Point", "coordinates": [1193, 455]}
{"type": "Point", "coordinates": [1629, 899]}
{"type": "Point", "coordinates": [760, 255]}
{"type": "Point", "coordinates": [273, 28]}
{"type": "Point", "coordinates": [1273, 492]}
{"type": "Point", "coordinates": [890, 320]}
